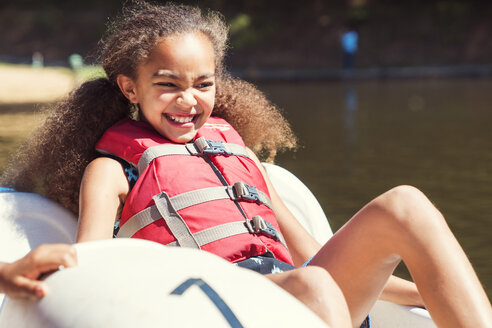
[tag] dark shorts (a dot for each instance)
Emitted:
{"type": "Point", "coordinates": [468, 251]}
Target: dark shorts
{"type": "Point", "coordinates": [265, 264]}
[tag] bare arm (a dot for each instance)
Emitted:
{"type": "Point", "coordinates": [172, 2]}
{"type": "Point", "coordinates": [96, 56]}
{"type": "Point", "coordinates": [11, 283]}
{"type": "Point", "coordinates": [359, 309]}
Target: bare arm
{"type": "Point", "coordinates": [103, 191]}
{"type": "Point", "coordinates": [20, 278]}
{"type": "Point", "coordinates": [401, 291]}
{"type": "Point", "coordinates": [302, 245]}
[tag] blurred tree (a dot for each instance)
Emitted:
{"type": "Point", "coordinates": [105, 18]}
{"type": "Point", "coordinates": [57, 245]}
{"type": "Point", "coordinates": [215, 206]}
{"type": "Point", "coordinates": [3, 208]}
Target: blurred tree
{"type": "Point", "coordinates": [275, 33]}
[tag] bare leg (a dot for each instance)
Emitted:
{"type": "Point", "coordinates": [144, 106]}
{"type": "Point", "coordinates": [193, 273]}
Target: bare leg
{"type": "Point", "coordinates": [403, 224]}
{"type": "Point", "coordinates": [317, 290]}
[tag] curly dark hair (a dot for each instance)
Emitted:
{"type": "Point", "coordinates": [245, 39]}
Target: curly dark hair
{"type": "Point", "coordinates": [53, 159]}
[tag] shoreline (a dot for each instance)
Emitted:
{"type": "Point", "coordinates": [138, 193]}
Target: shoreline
{"type": "Point", "coordinates": [23, 84]}
{"type": "Point", "coordinates": [375, 73]}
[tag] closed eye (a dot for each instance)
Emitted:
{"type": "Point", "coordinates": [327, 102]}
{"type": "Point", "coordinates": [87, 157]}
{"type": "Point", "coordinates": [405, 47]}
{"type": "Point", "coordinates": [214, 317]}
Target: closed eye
{"type": "Point", "coordinates": [165, 84]}
{"type": "Point", "coordinates": [205, 85]}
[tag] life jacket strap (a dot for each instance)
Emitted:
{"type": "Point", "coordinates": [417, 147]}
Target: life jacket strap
{"type": "Point", "coordinates": [239, 191]}
{"type": "Point", "coordinates": [200, 147]}
{"type": "Point", "coordinates": [175, 222]}
{"type": "Point", "coordinates": [154, 152]}
{"type": "Point", "coordinates": [257, 225]}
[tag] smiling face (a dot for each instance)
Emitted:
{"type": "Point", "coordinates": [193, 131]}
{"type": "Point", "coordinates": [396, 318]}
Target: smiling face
{"type": "Point", "coordinates": [175, 86]}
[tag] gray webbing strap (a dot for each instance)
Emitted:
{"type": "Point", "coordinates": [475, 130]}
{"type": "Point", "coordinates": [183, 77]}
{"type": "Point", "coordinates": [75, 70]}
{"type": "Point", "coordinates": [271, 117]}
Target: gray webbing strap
{"type": "Point", "coordinates": [203, 195]}
{"type": "Point", "coordinates": [152, 153]}
{"type": "Point", "coordinates": [265, 199]}
{"type": "Point", "coordinates": [225, 230]}
{"type": "Point", "coordinates": [218, 232]}
{"type": "Point", "coordinates": [181, 201]}
{"type": "Point", "coordinates": [178, 202]}
{"type": "Point", "coordinates": [203, 237]}
{"type": "Point", "coordinates": [282, 239]}
{"type": "Point", "coordinates": [199, 196]}
{"type": "Point", "coordinates": [138, 221]}
{"type": "Point", "coordinates": [162, 150]}
{"type": "Point", "coordinates": [174, 221]}
{"type": "Point", "coordinates": [236, 150]}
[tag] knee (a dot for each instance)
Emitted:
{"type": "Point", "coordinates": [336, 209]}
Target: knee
{"type": "Point", "coordinates": [314, 284]}
{"type": "Point", "coordinates": [402, 199]}
{"type": "Point", "coordinates": [315, 287]}
{"type": "Point", "coordinates": [406, 207]}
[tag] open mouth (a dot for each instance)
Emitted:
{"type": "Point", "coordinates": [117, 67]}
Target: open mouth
{"type": "Point", "coordinates": [181, 119]}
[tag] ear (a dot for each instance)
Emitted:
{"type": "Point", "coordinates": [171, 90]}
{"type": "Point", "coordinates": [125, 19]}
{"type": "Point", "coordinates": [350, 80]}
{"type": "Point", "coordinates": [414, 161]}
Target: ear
{"type": "Point", "coordinates": [128, 87]}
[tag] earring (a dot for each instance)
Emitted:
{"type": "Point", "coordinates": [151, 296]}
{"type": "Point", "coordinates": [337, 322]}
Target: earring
{"type": "Point", "coordinates": [135, 112]}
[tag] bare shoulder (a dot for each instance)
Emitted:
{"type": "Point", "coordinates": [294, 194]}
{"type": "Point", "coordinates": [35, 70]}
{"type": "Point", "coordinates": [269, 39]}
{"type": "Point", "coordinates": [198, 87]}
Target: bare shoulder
{"type": "Point", "coordinates": [104, 164]}
{"type": "Point", "coordinates": [105, 171]}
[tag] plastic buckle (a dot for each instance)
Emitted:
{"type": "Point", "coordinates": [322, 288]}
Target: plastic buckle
{"type": "Point", "coordinates": [246, 192]}
{"type": "Point", "coordinates": [210, 147]}
{"type": "Point", "coordinates": [249, 226]}
{"type": "Point", "coordinates": [270, 231]}
{"type": "Point", "coordinates": [259, 225]}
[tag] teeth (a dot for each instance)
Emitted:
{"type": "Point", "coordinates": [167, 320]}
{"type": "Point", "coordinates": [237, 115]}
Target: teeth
{"type": "Point", "coordinates": [181, 119]}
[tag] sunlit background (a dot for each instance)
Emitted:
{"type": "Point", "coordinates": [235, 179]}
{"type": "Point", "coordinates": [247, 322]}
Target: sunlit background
{"type": "Point", "coordinates": [410, 105]}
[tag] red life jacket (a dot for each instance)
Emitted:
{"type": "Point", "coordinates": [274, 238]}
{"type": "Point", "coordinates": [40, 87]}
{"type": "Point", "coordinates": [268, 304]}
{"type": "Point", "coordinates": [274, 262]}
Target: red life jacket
{"type": "Point", "coordinates": [207, 194]}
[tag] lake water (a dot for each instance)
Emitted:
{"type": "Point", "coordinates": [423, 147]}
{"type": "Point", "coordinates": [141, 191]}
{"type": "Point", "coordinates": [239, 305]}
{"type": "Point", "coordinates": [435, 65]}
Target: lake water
{"type": "Point", "coordinates": [360, 139]}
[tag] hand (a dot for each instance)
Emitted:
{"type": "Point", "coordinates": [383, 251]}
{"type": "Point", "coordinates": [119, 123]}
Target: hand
{"type": "Point", "coordinates": [20, 278]}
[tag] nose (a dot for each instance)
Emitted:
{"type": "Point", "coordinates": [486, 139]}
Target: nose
{"type": "Point", "coordinates": [186, 99]}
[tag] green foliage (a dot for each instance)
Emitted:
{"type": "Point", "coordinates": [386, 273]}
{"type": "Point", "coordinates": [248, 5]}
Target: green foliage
{"type": "Point", "coordinates": [452, 10]}
{"type": "Point", "coordinates": [49, 21]}
{"type": "Point", "coordinates": [90, 72]}
{"type": "Point", "coordinates": [240, 23]}
{"type": "Point", "coordinates": [358, 14]}
{"type": "Point", "coordinates": [242, 34]}
{"type": "Point", "coordinates": [248, 30]}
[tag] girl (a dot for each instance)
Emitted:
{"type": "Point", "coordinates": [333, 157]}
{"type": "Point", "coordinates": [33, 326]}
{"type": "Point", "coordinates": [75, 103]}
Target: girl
{"type": "Point", "coordinates": [164, 67]}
